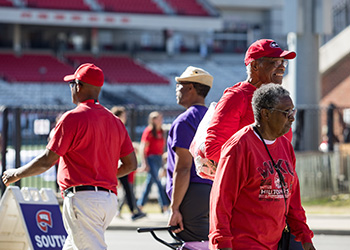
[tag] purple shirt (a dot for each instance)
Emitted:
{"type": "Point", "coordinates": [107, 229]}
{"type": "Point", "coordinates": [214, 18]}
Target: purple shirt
{"type": "Point", "coordinates": [180, 135]}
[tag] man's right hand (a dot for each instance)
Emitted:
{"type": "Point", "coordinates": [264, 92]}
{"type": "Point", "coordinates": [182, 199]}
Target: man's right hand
{"type": "Point", "coordinates": [176, 220]}
{"type": "Point", "coordinates": [10, 176]}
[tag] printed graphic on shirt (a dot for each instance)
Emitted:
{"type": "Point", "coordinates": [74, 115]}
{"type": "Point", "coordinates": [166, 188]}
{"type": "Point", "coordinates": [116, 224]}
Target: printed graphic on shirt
{"type": "Point", "coordinates": [270, 185]}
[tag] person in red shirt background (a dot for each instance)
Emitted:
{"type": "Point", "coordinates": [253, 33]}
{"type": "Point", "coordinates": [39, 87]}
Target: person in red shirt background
{"type": "Point", "coordinates": [151, 150]}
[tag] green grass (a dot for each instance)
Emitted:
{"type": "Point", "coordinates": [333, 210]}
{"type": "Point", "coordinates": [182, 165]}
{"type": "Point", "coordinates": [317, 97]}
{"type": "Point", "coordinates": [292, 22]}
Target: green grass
{"type": "Point", "coordinates": [151, 207]}
{"type": "Point", "coordinates": [337, 204]}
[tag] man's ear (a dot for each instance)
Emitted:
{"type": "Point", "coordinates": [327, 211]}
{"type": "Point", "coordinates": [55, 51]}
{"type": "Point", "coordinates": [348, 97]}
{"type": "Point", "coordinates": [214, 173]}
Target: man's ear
{"type": "Point", "coordinates": [191, 87]}
{"type": "Point", "coordinates": [254, 65]}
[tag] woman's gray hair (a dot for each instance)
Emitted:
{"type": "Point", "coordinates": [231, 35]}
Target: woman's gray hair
{"type": "Point", "coordinates": [267, 96]}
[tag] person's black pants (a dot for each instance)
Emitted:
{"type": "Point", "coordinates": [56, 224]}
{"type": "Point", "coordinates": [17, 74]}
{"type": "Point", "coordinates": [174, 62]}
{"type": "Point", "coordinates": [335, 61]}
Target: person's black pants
{"type": "Point", "coordinates": [195, 213]}
{"type": "Point", "coordinates": [129, 195]}
{"type": "Point", "coordinates": [295, 245]}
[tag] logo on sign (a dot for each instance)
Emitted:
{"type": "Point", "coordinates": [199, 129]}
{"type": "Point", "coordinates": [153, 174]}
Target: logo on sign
{"type": "Point", "coordinates": [44, 220]}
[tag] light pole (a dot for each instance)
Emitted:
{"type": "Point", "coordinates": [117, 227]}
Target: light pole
{"type": "Point", "coordinates": [305, 21]}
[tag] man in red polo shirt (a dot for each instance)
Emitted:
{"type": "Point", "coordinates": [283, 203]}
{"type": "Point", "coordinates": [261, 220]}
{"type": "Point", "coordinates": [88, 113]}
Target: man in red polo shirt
{"type": "Point", "coordinates": [88, 141]}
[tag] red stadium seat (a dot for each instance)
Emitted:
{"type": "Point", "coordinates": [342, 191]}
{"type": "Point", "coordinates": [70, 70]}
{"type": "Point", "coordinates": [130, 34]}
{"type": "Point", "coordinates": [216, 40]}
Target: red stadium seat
{"type": "Point", "coordinates": [6, 3]}
{"type": "Point", "coordinates": [121, 69]}
{"type": "Point", "coordinates": [128, 6]}
{"type": "Point", "coordinates": [188, 7]}
{"type": "Point", "coordinates": [32, 68]}
{"type": "Point", "coordinates": [61, 4]}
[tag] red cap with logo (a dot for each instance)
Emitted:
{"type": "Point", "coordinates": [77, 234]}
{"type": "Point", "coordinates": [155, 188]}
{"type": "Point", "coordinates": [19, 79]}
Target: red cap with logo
{"type": "Point", "coordinates": [88, 73]}
{"type": "Point", "coordinates": [266, 48]}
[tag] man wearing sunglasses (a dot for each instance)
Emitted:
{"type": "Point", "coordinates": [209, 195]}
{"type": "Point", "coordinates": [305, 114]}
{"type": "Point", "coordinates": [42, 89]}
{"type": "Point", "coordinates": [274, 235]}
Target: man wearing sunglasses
{"type": "Point", "coordinates": [88, 141]}
{"type": "Point", "coordinates": [266, 63]}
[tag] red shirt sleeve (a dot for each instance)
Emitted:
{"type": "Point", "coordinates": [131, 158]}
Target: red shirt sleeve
{"type": "Point", "coordinates": [225, 122]}
{"type": "Point", "coordinates": [225, 191]}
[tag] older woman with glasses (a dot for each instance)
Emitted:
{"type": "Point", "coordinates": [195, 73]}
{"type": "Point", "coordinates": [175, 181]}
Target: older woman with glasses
{"type": "Point", "coordinates": [256, 192]}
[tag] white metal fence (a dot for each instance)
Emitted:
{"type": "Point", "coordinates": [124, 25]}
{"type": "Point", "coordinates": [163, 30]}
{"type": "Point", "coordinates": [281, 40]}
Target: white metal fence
{"type": "Point", "coordinates": [323, 174]}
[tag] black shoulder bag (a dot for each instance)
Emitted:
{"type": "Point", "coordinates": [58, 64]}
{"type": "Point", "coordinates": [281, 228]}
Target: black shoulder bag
{"type": "Point", "coordinates": [283, 244]}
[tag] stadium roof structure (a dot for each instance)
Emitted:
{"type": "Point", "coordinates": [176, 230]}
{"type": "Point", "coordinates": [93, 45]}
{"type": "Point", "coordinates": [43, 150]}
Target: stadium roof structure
{"type": "Point", "coordinates": [108, 20]}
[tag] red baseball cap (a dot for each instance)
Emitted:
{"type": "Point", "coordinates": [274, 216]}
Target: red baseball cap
{"type": "Point", "coordinates": [88, 73]}
{"type": "Point", "coordinates": [266, 48]}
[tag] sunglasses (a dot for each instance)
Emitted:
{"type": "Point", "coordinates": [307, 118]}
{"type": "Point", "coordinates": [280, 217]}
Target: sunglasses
{"type": "Point", "coordinates": [74, 82]}
{"type": "Point", "coordinates": [288, 113]}
{"type": "Point", "coordinates": [276, 63]}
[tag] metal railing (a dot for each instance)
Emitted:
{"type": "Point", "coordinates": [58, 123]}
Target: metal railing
{"type": "Point", "coordinates": [24, 136]}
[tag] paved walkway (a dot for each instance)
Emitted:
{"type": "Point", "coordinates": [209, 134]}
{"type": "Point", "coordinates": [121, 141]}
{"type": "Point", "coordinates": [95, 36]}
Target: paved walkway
{"type": "Point", "coordinates": [329, 224]}
{"type": "Point", "coordinates": [320, 224]}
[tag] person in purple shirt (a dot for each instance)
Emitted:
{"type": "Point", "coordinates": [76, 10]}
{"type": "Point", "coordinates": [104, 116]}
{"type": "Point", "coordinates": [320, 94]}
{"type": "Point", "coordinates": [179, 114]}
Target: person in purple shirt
{"type": "Point", "coordinates": [188, 193]}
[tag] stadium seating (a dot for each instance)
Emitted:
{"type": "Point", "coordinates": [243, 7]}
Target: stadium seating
{"type": "Point", "coordinates": [32, 68]}
{"type": "Point", "coordinates": [61, 4]}
{"type": "Point", "coordinates": [46, 68]}
{"type": "Point", "coordinates": [121, 69]}
{"type": "Point", "coordinates": [188, 7]}
{"type": "Point", "coordinates": [6, 3]}
{"type": "Point", "coordinates": [128, 6]}
{"type": "Point", "coordinates": [226, 72]}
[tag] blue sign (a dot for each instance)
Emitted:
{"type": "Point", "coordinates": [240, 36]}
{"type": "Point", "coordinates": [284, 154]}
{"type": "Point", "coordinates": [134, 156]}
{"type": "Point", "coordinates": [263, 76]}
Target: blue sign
{"type": "Point", "coordinates": [45, 226]}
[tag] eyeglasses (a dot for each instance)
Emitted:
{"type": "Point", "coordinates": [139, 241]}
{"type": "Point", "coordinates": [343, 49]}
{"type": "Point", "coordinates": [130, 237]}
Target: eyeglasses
{"type": "Point", "coordinates": [288, 113]}
{"type": "Point", "coordinates": [74, 82]}
{"type": "Point", "coordinates": [276, 63]}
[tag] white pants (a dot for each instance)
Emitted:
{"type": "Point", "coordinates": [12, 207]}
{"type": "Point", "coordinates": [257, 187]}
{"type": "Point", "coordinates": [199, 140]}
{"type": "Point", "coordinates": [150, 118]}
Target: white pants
{"type": "Point", "coordinates": [86, 216]}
